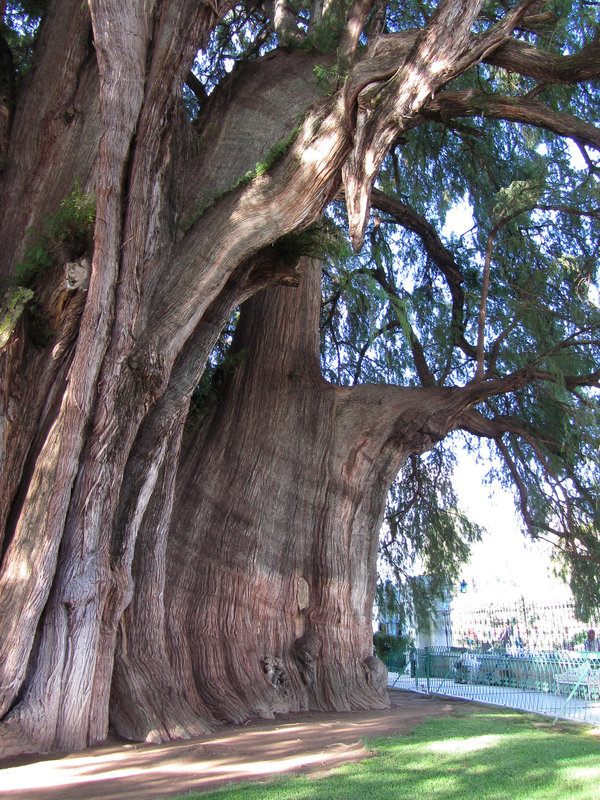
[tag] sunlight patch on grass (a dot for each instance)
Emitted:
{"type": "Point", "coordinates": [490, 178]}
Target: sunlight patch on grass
{"type": "Point", "coordinates": [584, 774]}
{"type": "Point", "coordinates": [488, 755]}
{"type": "Point", "coordinates": [469, 745]}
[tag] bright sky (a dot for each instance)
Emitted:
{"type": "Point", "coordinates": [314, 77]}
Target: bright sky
{"type": "Point", "coordinates": [505, 565]}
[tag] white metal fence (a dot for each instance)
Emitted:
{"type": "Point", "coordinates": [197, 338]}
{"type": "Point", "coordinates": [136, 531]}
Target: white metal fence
{"type": "Point", "coordinates": [561, 684]}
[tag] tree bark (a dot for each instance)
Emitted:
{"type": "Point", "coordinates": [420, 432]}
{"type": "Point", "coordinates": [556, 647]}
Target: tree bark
{"type": "Point", "coordinates": [133, 364]}
{"type": "Point", "coordinates": [267, 569]}
{"type": "Point", "coordinates": [70, 633]}
{"type": "Point", "coordinates": [162, 710]}
{"type": "Point", "coordinates": [271, 559]}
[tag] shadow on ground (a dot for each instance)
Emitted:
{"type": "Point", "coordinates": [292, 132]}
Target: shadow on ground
{"type": "Point", "coordinates": [308, 742]}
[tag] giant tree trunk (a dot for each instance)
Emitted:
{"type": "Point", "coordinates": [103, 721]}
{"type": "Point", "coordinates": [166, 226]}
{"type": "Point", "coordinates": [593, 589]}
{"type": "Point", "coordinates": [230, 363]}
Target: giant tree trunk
{"type": "Point", "coordinates": [76, 492]}
{"type": "Point", "coordinates": [121, 365]}
{"type": "Point", "coordinates": [271, 563]}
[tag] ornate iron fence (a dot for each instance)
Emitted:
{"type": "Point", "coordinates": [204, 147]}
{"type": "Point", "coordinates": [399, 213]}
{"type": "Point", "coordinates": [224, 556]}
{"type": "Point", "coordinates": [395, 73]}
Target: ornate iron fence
{"type": "Point", "coordinates": [562, 684]}
{"type": "Point", "coordinates": [526, 623]}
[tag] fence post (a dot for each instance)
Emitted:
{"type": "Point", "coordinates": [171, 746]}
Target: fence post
{"type": "Point", "coordinates": [427, 666]}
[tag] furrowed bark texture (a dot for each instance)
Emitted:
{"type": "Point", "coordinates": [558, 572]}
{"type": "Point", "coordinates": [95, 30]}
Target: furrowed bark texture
{"type": "Point", "coordinates": [271, 553]}
{"type": "Point", "coordinates": [73, 699]}
{"type": "Point", "coordinates": [161, 710]}
{"type": "Point", "coordinates": [55, 123]}
{"type": "Point", "coordinates": [70, 627]}
{"type": "Point", "coordinates": [268, 579]}
{"type": "Point", "coordinates": [55, 130]}
{"type": "Point", "coordinates": [78, 624]}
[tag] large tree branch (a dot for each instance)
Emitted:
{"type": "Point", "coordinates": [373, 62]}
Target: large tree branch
{"type": "Point", "coordinates": [477, 392]}
{"type": "Point", "coordinates": [383, 56]}
{"type": "Point", "coordinates": [516, 56]}
{"type": "Point", "coordinates": [530, 112]}
{"type": "Point", "coordinates": [283, 21]}
{"type": "Point", "coordinates": [473, 421]}
{"type": "Point", "coordinates": [444, 49]}
{"type": "Point", "coordinates": [355, 22]}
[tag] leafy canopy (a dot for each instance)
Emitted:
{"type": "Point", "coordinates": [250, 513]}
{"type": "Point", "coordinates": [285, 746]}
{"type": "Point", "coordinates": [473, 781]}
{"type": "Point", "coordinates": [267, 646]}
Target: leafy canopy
{"type": "Point", "coordinates": [504, 299]}
{"type": "Point", "coordinates": [406, 310]}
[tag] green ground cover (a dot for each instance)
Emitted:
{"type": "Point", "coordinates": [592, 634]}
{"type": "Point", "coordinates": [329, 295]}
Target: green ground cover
{"type": "Point", "coordinates": [489, 755]}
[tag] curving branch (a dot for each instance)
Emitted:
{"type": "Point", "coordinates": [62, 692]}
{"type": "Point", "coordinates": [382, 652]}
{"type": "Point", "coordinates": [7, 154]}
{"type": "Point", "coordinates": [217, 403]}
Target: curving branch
{"type": "Point", "coordinates": [525, 59]}
{"type": "Point", "coordinates": [473, 421]}
{"type": "Point", "coordinates": [473, 103]}
{"type": "Point", "coordinates": [197, 87]}
{"type": "Point", "coordinates": [444, 49]}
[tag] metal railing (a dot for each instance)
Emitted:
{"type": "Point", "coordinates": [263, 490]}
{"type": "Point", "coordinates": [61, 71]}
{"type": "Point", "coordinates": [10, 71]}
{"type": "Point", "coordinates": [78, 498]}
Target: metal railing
{"type": "Point", "coordinates": [562, 684]}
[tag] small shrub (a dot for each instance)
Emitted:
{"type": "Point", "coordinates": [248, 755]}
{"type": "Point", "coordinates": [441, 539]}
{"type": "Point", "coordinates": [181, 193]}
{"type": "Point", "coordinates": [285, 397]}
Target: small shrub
{"type": "Point", "coordinates": [385, 643]}
{"type": "Point", "coordinates": [71, 228]}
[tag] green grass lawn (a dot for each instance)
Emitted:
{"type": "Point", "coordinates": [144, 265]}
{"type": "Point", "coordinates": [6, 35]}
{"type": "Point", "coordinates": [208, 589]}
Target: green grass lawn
{"type": "Point", "coordinates": [489, 755]}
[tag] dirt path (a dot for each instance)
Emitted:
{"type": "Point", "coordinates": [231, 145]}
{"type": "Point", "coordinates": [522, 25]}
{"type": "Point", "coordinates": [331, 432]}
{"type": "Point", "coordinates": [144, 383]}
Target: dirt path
{"type": "Point", "coordinates": [310, 742]}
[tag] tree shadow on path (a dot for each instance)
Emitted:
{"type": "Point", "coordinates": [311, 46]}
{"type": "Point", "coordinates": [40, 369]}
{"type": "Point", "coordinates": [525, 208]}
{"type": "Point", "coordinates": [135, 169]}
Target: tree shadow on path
{"type": "Point", "coordinates": [309, 742]}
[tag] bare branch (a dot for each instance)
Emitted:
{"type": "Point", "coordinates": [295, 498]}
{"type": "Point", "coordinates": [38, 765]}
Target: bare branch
{"type": "Point", "coordinates": [474, 422]}
{"type": "Point", "coordinates": [197, 87]}
{"type": "Point", "coordinates": [516, 56]}
{"type": "Point", "coordinates": [530, 112]}
{"type": "Point", "coordinates": [355, 22]}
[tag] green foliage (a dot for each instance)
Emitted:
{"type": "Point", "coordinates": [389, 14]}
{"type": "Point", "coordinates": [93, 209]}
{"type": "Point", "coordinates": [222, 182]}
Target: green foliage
{"type": "Point", "coordinates": [12, 306]}
{"type": "Point", "coordinates": [425, 538]}
{"type": "Point", "coordinates": [321, 240]}
{"type": "Point", "coordinates": [579, 565]}
{"type": "Point", "coordinates": [540, 200]}
{"type": "Point", "coordinates": [519, 196]}
{"type": "Point", "coordinates": [330, 78]}
{"type": "Point", "coordinates": [21, 23]}
{"type": "Point", "coordinates": [191, 103]}
{"type": "Point", "coordinates": [325, 35]}
{"type": "Point", "coordinates": [386, 643]}
{"type": "Point", "coordinates": [27, 9]}
{"type": "Point", "coordinates": [71, 228]}
{"type": "Point", "coordinates": [243, 34]}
